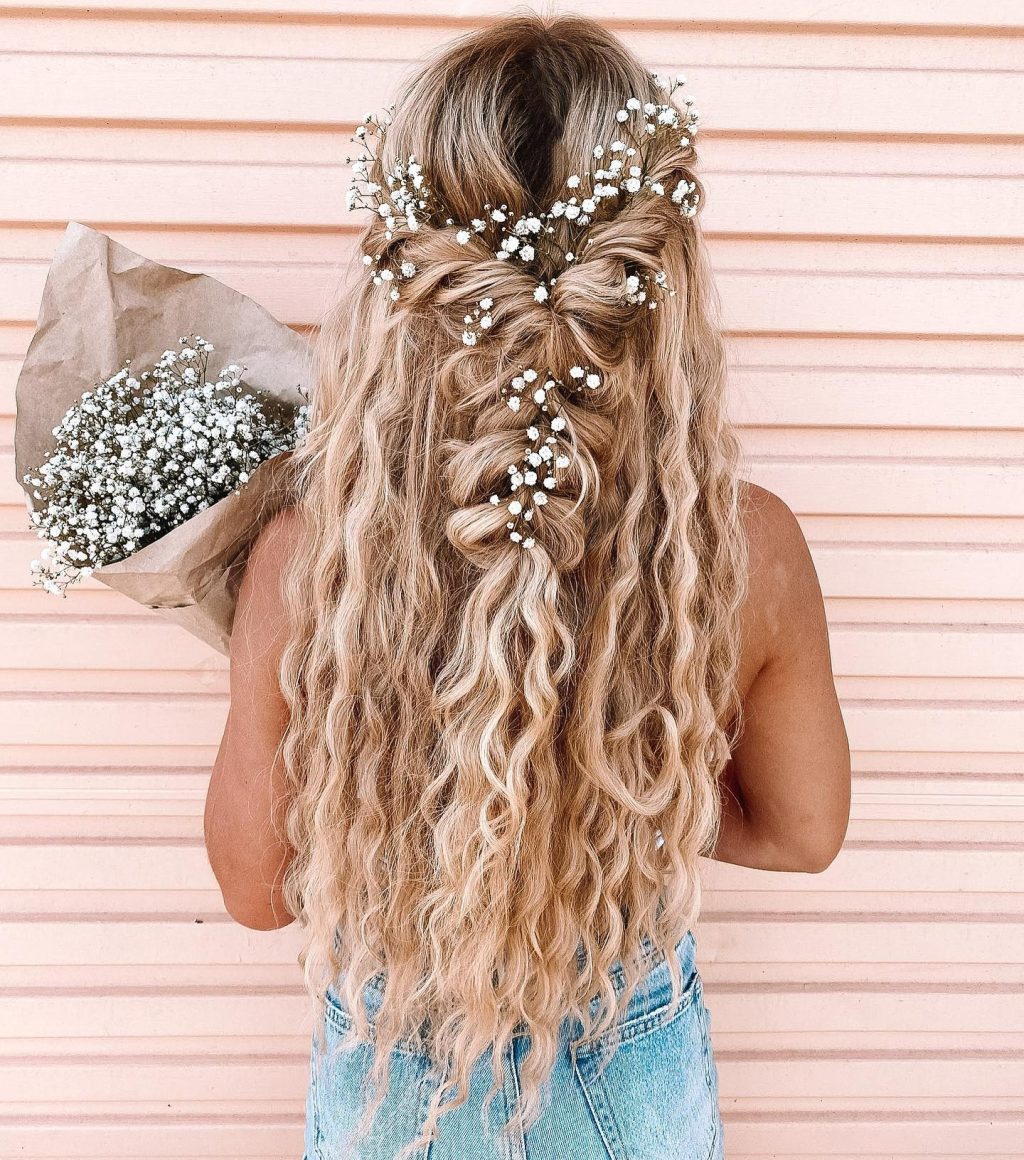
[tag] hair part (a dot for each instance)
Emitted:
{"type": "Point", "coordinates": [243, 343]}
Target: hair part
{"type": "Point", "coordinates": [503, 763]}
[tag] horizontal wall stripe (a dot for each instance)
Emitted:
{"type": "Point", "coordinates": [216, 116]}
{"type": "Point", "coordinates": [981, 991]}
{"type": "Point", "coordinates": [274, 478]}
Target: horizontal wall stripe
{"type": "Point", "coordinates": [148, 721]}
{"type": "Point", "coordinates": [824, 303]}
{"type": "Point", "coordinates": [104, 644]}
{"type": "Point", "coordinates": [961, 15]}
{"type": "Point", "coordinates": [869, 486]}
{"type": "Point", "coordinates": [46, 86]}
{"type": "Point", "coordinates": [833, 205]}
{"type": "Point", "coordinates": [741, 44]}
{"type": "Point", "coordinates": [873, 570]}
{"type": "Point", "coordinates": [259, 1074]}
{"type": "Point", "coordinates": [182, 865]}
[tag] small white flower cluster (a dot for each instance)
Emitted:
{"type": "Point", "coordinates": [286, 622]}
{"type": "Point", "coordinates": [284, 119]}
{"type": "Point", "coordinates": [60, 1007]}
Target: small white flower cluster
{"type": "Point", "coordinates": [381, 275]}
{"type": "Point", "coordinates": [405, 200]}
{"type": "Point", "coordinates": [137, 457]}
{"type": "Point", "coordinates": [478, 321]}
{"type": "Point", "coordinates": [623, 175]}
{"type": "Point", "coordinates": [639, 287]}
{"type": "Point", "coordinates": [536, 474]}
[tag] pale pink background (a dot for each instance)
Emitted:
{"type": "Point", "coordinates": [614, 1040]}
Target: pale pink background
{"type": "Point", "coordinates": [863, 165]}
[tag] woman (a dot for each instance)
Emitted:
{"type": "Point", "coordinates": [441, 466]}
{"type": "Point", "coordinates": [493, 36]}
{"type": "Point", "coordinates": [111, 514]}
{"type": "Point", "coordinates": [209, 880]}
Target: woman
{"type": "Point", "coordinates": [524, 648]}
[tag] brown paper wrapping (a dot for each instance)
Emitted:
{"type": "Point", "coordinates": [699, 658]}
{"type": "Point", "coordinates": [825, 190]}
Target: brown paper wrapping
{"type": "Point", "coordinates": [103, 303]}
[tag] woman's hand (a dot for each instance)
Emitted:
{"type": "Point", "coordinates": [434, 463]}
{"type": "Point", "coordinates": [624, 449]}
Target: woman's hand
{"type": "Point", "coordinates": [247, 799]}
{"type": "Point", "coordinates": [786, 789]}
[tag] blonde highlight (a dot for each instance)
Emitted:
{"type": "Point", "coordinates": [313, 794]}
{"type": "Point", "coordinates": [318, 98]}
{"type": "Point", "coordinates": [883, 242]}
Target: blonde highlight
{"type": "Point", "coordinates": [503, 764]}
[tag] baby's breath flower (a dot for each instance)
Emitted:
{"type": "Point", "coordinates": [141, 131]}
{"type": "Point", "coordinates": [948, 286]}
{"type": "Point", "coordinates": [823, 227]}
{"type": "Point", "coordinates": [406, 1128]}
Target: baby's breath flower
{"type": "Point", "coordinates": [480, 318]}
{"type": "Point", "coordinates": [136, 457]}
{"type": "Point", "coordinates": [537, 239]}
{"type": "Point", "coordinates": [532, 479]}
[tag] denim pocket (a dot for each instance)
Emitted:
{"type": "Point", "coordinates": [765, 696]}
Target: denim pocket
{"type": "Point", "coordinates": [339, 1094]}
{"type": "Point", "coordinates": [654, 1097]}
{"type": "Point", "coordinates": [710, 1068]}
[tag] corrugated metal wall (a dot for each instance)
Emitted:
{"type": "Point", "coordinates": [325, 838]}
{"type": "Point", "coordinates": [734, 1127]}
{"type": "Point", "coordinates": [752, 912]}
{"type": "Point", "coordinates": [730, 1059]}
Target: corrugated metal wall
{"type": "Point", "coordinates": [863, 162]}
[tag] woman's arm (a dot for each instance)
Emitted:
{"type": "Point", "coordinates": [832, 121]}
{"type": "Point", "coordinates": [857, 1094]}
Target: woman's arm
{"type": "Point", "coordinates": [786, 789]}
{"type": "Point", "coordinates": [247, 798]}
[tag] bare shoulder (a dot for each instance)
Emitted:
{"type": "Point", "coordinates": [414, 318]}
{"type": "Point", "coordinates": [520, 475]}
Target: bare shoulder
{"type": "Point", "coordinates": [784, 602]}
{"type": "Point", "coordinates": [261, 608]}
{"type": "Point", "coordinates": [277, 539]}
{"type": "Point", "coordinates": [271, 550]}
{"type": "Point", "coordinates": [774, 535]}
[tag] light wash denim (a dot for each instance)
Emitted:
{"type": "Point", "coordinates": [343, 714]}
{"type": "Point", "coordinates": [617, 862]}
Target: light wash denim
{"type": "Point", "coordinates": [657, 1099]}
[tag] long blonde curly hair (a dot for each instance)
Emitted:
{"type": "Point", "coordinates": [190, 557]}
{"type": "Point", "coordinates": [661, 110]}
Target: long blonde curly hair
{"type": "Point", "coordinates": [503, 763]}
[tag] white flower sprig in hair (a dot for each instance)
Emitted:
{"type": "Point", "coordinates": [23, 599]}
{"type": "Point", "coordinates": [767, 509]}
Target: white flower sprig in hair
{"type": "Point", "coordinates": [536, 474]}
{"type": "Point", "coordinates": [622, 174]}
{"type": "Point", "coordinates": [404, 200]}
{"type": "Point", "coordinates": [478, 321]}
{"type": "Point", "coordinates": [136, 457]}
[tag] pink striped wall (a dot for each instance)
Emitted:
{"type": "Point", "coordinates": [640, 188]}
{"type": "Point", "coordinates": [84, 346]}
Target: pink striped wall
{"type": "Point", "coordinates": [863, 163]}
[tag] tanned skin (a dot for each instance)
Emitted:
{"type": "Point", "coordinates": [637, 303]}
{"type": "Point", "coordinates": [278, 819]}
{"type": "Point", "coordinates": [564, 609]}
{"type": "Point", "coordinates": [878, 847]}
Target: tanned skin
{"type": "Point", "coordinates": [786, 788]}
{"type": "Point", "coordinates": [785, 791]}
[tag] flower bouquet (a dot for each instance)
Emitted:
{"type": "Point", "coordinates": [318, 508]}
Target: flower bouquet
{"type": "Point", "coordinates": [155, 484]}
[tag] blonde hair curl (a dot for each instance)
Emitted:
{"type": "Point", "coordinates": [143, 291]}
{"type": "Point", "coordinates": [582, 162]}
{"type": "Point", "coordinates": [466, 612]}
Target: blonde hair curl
{"type": "Point", "coordinates": [504, 764]}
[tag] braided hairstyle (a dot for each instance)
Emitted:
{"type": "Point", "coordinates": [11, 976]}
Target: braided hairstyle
{"type": "Point", "coordinates": [504, 763]}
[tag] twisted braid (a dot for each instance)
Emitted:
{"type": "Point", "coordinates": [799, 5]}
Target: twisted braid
{"type": "Point", "coordinates": [588, 319]}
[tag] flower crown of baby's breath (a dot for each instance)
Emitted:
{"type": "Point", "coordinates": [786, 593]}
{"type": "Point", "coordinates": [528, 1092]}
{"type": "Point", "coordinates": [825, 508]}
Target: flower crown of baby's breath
{"type": "Point", "coordinates": [405, 202]}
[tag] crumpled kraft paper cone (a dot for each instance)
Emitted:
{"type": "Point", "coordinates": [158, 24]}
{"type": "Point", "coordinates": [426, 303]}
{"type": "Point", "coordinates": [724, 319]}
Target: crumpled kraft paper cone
{"type": "Point", "coordinates": [103, 303]}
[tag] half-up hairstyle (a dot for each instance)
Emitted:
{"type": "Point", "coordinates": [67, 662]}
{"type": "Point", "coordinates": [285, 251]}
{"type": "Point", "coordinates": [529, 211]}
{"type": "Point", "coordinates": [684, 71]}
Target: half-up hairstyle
{"type": "Point", "coordinates": [504, 763]}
